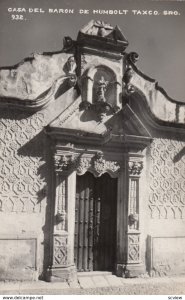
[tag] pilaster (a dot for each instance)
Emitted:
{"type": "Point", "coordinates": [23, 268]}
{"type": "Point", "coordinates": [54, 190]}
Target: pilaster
{"type": "Point", "coordinates": [134, 265]}
{"type": "Point", "coordinates": [130, 264]}
{"type": "Point", "coordinates": [62, 266]}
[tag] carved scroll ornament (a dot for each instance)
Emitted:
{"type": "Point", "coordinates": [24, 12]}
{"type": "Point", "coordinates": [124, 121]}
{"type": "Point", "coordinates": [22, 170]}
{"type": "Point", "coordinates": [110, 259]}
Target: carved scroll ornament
{"type": "Point", "coordinates": [131, 59]}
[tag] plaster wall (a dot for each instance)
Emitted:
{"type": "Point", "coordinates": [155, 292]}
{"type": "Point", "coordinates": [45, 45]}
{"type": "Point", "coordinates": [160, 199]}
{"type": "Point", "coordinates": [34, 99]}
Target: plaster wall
{"type": "Point", "coordinates": [23, 194]}
{"type": "Point", "coordinates": [33, 76]}
{"type": "Point", "coordinates": [165, 209]}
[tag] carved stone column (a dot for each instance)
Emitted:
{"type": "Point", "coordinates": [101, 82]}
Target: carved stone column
{"type": "Point", "coordinates": [133, 260]}
{"type": "Point", "coordinates": [62, 262]}
{"type": "Point", "coordinates": [67, 165]}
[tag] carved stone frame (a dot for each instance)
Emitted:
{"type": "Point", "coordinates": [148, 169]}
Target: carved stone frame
{"type": "Point", "coordinates": [125, 163]}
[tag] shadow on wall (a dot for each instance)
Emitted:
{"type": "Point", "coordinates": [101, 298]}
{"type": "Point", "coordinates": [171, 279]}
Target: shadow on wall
{"type": "Point", "coordinates": [179, 155]}
{"type": "Point", "coordinates": [25, 174]}
{"type": "Point", "coordinates": [39, 146]}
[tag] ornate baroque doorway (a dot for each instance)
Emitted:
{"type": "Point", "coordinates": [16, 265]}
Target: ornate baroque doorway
{"type": "Point", "coordinates": [95, 223]}
{"type": "Point", "coordinates": [96, 212]}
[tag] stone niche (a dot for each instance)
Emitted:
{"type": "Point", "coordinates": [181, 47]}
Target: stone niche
{"type": "Point", "coordinates": [104, 85]}
{"type": "Point", "coordinates": [101, 87]}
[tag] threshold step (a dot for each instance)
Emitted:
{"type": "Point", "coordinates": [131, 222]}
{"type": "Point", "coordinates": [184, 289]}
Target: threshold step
{"type": "Point", "coordinates": [93, 273]}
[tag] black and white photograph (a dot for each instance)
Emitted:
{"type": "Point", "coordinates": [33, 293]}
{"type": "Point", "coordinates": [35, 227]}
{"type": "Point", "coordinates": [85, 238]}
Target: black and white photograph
{"type": "Point", "coordinates": [92, 148]}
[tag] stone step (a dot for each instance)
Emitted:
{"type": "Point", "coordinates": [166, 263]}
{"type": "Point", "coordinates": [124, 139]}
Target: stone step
{"type": "Point", "coordinates": [114, 280]}
{"type": "Point", "coordinates": [86, 282]}
{"type": "Point", "coordinates": [94, 273]}
{"type": "Point", "coordinates": [98, 279]}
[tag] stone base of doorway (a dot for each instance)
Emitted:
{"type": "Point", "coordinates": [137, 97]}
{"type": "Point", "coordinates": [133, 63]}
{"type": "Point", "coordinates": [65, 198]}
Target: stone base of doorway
{"type": "Point", "coordinates": [98, 279]}
{"type": "Point", "coordinates": [57, 274]}
{"type": "Point", "coordinates": [130, 270]}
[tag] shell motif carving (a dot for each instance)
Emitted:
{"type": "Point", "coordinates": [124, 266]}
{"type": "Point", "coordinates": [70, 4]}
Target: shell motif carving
{"type": "Point", "coordinates": [97, 165]}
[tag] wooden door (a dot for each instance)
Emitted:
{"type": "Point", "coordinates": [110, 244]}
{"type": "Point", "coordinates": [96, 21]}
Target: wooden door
{"type": "Point", "coordinates": [95, 223]}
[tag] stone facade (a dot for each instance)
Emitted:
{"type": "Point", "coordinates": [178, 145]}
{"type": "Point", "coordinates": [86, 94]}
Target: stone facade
{"type": "Point", "coordinates": [88, 109]}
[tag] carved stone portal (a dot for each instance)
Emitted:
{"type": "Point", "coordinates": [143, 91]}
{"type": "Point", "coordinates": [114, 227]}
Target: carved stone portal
{"type": "Point", "coordinates": [67, 165]}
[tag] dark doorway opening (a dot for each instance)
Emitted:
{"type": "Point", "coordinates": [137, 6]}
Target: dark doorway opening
{"type": "Point", "coordinates": [95, 223]}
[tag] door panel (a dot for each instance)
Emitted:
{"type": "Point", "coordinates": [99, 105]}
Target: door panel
{"type": "Point", "coordinates": [83, 251]}
{"type": "Point", "coordinates": [106, 190]}
{"type": "Point", "coordinates": [95, 222]}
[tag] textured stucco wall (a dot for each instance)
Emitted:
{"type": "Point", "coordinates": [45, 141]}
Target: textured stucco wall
{"type": "Point", "coordinates": [25, 162]}
{"type": "Point", "coordinates": [23, 190]}
{"type": "Point", "coordinates": [167, 179]}
{"type": "Point", "coordinates": [166, 206]}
